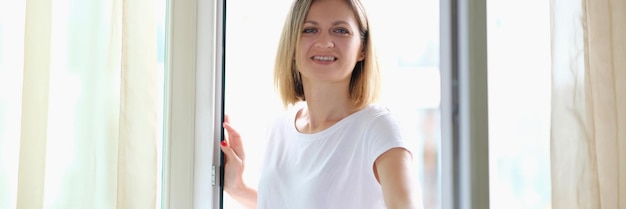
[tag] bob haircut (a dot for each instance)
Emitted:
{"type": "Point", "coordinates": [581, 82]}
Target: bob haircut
{"type": "Point", "coordinates": [365, 79]}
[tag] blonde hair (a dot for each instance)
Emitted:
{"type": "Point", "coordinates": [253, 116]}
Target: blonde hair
{"type": "Point", "coordinates": [365, 79]}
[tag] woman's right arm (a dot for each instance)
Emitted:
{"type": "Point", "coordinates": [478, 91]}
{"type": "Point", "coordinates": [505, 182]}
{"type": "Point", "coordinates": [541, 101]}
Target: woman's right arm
{"type": "Point", "coordinates": [246, 196]}
{"type": "Point", "coordinates": [233, 170]}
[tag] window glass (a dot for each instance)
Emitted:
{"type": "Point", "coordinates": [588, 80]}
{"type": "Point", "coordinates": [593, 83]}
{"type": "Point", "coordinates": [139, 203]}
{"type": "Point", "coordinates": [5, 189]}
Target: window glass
{"type": "Point", "coordinates": [519, 103]}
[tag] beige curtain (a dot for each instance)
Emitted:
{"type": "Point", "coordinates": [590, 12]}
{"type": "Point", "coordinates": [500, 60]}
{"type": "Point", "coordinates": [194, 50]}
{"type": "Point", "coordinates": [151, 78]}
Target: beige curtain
{"type": "Point", "coordinates": [79, 107]}
{"type": "Point", "coordinates": [588, 147]}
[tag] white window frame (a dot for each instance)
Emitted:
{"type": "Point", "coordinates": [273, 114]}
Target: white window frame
{"type": "Point", "coordinates": [192, 126]}
{"type": "Point", "coordinates": [464, 113]}
{"type": "Point", "coordinates": [192, 117]}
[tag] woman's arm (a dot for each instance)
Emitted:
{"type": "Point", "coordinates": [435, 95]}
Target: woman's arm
{"type": "Point", "coordinates": [235, 157]}
{"type": "Point", "coordinates": [394, 173]}
{"type": "Point", "coordinates": [233, 181]}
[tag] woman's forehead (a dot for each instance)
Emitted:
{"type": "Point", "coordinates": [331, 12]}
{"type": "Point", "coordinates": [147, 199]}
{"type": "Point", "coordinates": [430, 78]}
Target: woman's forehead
{"type": "Point", "coordinates": [330, 11]}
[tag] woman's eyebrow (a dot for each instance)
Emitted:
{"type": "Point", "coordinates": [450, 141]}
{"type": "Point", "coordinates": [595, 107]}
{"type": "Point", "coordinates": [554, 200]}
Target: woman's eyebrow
{"type": "Point", "coordinates": [338, 22]}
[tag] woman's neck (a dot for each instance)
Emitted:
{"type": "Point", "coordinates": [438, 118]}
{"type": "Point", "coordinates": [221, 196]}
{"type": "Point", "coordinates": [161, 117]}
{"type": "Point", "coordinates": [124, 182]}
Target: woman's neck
{"type": "Point", "coordinates": [324, 107]}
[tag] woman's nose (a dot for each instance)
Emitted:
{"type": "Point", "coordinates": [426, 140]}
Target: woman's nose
{"type": "Point", "coordinates": [324, 41]}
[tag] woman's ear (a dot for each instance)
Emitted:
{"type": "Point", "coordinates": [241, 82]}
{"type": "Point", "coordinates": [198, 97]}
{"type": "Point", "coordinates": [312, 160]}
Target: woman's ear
{"type": "Point", "coordinates": [361, 55]}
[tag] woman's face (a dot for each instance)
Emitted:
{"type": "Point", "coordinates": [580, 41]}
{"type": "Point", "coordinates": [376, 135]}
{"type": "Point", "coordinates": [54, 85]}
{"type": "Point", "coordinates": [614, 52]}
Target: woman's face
{"type": "Point", "coordinates": [330, 45]}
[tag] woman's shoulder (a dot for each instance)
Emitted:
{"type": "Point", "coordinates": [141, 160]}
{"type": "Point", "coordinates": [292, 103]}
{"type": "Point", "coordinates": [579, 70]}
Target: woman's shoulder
{"type": "Point", "coordinates": [376, 110]}
{"type": "Point", "coordinates": [374, 114]}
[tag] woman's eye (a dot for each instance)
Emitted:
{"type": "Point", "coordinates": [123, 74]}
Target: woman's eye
{"type": "Point", "coordinates": [342, 31]}
{"type": "Point", "coordinates": [309, 30]}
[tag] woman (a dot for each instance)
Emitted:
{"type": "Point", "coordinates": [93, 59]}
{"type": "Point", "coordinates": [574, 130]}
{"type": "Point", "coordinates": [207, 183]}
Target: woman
{"type": "Point", "coordinates": [334, 148]}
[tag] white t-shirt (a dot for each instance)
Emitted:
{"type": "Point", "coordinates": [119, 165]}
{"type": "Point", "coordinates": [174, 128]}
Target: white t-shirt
{"type": "Point", "coordinates": [329, 169]}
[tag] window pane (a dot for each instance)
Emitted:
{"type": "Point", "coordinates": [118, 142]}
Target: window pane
{"type": "Point", "coordinates": [409, 54]}
{"type": "Point", "coordinates": [519, 103]}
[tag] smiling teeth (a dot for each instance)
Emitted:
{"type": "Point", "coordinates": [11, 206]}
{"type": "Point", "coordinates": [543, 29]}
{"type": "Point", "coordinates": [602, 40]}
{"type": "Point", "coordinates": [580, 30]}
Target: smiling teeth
{"type": "Point", "coordinates": [323, 58]}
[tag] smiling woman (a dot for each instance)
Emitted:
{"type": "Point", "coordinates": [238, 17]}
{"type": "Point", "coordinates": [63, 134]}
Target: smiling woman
{"type": "Point", "coordinates": [325, 50]}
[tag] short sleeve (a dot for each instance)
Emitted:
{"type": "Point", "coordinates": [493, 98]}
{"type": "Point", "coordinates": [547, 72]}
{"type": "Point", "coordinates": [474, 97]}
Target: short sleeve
{"type": "Point", "coordinates": [383, 134]}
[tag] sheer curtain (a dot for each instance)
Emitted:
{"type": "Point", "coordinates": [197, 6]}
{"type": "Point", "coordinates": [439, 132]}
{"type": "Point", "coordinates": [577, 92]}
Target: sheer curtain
{"type": "Point", "coordinates": [79, 104]}
{"type": "Point", "coordinates": [588, 147]}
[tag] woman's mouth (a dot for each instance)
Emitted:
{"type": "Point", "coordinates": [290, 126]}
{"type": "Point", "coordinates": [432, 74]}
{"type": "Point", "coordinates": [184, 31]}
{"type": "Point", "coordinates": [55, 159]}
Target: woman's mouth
{"type": "Point", "coordinates": [324, 58]}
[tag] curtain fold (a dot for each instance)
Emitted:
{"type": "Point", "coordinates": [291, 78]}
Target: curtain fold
{"type": "Point", "coordinates": [32, 161]}
{"type": "Point", "coordinates": [138, 121]}
{"type": "Point", "coordinates": [588, 142]}
{"type": "Point", "coordinates": [88, 105]}
{"type": "Point", "coordinates": [605, 81]}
